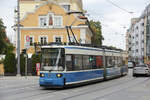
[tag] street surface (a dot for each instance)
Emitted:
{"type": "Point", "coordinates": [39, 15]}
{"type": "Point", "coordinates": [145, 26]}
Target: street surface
{"type": "Point", "coordinates": [124, 88]}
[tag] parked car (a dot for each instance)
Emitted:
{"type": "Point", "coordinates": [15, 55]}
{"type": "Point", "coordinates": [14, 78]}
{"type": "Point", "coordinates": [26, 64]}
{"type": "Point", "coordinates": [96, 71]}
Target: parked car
{"type": "Point", "coordinates": [141, 70]}
{"type": "Point", "coordinates": [131, 64]}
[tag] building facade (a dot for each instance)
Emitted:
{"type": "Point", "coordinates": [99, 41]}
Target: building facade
{"type": "Point", "coordinates": [138, 38]}
{"type": "Point", "coordinates": [45, 21]}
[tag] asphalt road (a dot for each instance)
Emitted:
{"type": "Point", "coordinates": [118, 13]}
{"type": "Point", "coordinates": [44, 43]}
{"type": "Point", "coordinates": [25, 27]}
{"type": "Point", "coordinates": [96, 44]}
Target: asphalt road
{"type": "Point", "coordinates": [124, 88]}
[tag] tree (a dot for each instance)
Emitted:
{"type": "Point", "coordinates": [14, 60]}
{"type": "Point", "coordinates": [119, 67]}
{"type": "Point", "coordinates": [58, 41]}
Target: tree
{"type": "Point", "coordinates": [9, 49]}
{"type": "Point", "coordinates": [3, 38]}
{"type": "Point", "coordinates": [10, 63]}
{"type": "Point", "coordinates": [97, 33]}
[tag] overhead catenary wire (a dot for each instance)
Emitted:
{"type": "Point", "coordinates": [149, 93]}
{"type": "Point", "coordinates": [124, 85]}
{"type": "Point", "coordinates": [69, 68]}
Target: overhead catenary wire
{"type": "Point", "coordinates": [109, 1]}
{"type": "Point", "coordinates": [97, 16]}
{"type": "Point", "coordinates": [102, 18]}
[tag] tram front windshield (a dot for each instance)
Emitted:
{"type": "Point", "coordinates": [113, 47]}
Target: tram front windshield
{"type": "Point", "coordinates": [52, 59]}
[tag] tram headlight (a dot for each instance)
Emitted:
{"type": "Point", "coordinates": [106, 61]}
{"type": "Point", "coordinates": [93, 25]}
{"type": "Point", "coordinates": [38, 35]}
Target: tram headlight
{"type": "Point", "coordinates": [42, 75]}
{"type": "Point", "coordinates": [59, 75]}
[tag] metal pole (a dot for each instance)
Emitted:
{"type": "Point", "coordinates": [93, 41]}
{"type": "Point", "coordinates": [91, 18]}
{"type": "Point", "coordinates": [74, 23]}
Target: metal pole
{"type": "Point", "coordinates": [104, 63]}
{"type": "Point", "coordinates": [26, 68]}
{"type": "Point", "coordinates": [18, 39]}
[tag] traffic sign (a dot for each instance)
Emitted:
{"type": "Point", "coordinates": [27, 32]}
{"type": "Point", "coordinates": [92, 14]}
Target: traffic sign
{"type": "Point", "coordinates": [27, 38]}
{"type": "Point", "coordinates": [37, 66]}
{"type": "Point", "coordinates": [27, 44]}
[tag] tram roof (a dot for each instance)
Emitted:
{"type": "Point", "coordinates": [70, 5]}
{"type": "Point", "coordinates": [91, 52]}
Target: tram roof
{"type": "Point", "coordinates": [82, 46]}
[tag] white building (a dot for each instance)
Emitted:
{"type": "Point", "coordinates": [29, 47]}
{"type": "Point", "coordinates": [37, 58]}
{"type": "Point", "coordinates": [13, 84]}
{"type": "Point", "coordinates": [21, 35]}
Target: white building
{"type": "Point", "coordinates": [136, 40]}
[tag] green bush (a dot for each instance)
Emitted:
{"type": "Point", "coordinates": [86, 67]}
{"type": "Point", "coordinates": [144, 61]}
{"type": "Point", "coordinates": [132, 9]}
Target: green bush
{"type": "Point", "coordinates": [10, 63]}
{"type": "Point", "coordinates": [36, 58]}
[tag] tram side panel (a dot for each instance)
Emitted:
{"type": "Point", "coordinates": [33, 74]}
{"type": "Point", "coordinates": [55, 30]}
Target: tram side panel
{"type": "Point", "coordinates": [113, 65]}
{"type": "Point", "coordinates": [83, 68]}
{"type": "Point", "coordinates": [83, 76]}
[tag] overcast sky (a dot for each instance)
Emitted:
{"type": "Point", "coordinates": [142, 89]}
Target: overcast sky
{"type": "Point", "coordinates": [114, 21]}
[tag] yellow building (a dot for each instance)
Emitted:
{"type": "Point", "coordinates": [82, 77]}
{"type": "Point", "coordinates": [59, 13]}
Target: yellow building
{"type": "Point", "coordinates": [46, 21]}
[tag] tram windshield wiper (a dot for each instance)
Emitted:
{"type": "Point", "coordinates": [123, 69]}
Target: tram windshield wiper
{"type": "Point", "coordinates": [58, 57]}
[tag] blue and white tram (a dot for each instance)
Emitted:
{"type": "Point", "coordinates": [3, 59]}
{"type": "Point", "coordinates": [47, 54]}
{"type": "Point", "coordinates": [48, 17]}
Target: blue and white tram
{"type": "Point", "coordinates": [68, 65]}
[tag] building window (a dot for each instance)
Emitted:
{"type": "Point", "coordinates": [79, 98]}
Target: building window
{"type": "Point", "coordinates": [133, 37]}
{"type": "Point", "coordinates": [50, 19]}
{"type": "Point", "coordinates": [129, 43]}
{"type": "Point", "coordinates": [43, 39]}
{"type": "Point", "coordinates": [58, 21]}
{"type": "Point", "coordinates": [129, 49]}
{"type": "Point", "coordinates": [31, 40]}
{"type": "Point", "coordinates": [58, 39]}
{"type": "Point", "coordinates": [42, 21]}
{"type": "Point", "coordinates": [129, 36]}
{"type": "Point", "coordinates": [66, 7]}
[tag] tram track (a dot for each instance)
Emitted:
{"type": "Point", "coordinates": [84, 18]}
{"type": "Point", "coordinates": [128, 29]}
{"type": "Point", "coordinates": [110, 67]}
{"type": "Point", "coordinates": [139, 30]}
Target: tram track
{"type": "Point", "coordinates": [35, 95]}
{"type": "Point", "coordinates": [27, 92]}
{"type": "Point", "coordinates": [97, 98]}
{"type": "Point", "coordinates": [19, 90]}
{"type": "Point", "coordinates": [104, 88]}
{"type": "Point", "coordinates": [16, 86]}
{"type": "Point", "coordinates": [32, 92]}
{"type": "Point", "coordinates": [47, 93]}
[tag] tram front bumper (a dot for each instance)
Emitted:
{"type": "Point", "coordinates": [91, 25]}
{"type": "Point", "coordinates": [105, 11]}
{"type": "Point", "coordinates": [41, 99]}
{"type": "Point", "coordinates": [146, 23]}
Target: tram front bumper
{"type": "Point", "coordinates": [51, 82]}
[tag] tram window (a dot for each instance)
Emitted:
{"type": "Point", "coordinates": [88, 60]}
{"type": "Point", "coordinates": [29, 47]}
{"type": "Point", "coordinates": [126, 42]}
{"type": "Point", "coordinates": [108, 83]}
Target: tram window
{"type": "Point", "coordinates": [120, 61]}
{"type": "Point", "coordinates": [106, 61]}
{"type": "Point", "coordinates": [77, 62]}
{"type": "Point", "coordinates": [99, 62]}
{"type": "Point", "coordinates": [52, 58]}
{"type": "Point", "coordinates": [116, 61]}
{"type": "Point", "coordinates": [69, 62]}
{"type": "Point", "coordinates": [86, 62]}
{"type": "Point", "coordinates": [113, 61]}
{"type": "Point", "coordinates": [109, 62]}
{"type": "Point", "coordinates": [92, 60]}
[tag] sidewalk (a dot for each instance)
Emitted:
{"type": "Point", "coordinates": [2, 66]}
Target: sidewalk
{"type": "Point", "coordinates": [18, 77]}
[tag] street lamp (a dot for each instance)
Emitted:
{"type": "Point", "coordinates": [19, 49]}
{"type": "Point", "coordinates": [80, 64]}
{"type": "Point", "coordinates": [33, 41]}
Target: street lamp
{"type": "Point", "coordinates": [18, 38]}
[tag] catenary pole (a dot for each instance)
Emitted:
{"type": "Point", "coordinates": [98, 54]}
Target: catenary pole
{"type": "Point", "coordinates": [18, 38]}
